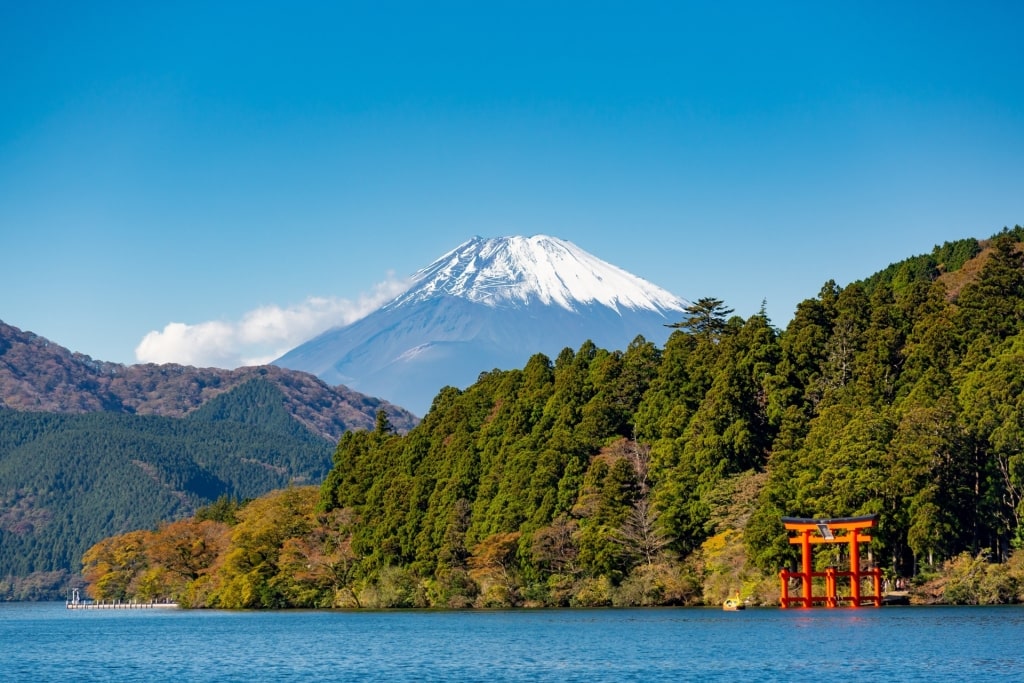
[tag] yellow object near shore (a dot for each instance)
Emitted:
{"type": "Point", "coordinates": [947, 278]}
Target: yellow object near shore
{"type": "Point", "coordinates": [733, 604]}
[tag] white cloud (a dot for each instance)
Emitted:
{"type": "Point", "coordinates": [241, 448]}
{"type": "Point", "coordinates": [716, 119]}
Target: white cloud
{"type": "Point", "coordinates": [262, 334]}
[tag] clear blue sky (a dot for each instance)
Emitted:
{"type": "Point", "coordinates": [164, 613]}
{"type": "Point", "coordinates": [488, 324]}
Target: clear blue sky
{"type": "Point", "coordinates": [251, 170]}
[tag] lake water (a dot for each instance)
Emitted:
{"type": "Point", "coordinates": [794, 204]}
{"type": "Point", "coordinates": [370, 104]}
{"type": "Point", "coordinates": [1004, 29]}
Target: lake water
{"type": "Point", "coordinates": [46, 642]}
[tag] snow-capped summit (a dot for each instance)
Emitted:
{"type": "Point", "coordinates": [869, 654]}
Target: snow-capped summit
{"type": "Point", "coordinates": [515, 271]}
{"type": "Point", "coordinates": [488, 303]}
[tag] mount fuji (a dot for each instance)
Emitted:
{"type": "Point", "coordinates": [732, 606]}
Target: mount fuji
{"type": "Point", "coordinates": [489, 303]}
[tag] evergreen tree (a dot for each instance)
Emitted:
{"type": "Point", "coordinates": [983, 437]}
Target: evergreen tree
{"type": "Point", "coordinates": [706, 317]}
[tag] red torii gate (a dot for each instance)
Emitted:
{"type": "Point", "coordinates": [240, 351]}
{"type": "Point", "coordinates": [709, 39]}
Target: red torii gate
{"type": "Point", "coordinates": [841, 530]}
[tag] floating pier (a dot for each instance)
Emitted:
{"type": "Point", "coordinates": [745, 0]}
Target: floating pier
{"type": "Point", "coordinates": [76, 602]}
{"type": "Point", "coordinates": [87, 604]}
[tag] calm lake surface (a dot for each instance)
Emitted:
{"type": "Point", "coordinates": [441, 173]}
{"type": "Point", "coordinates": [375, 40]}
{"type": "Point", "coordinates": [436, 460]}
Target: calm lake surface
{"type": "Point", "coordinates": [46, 642]}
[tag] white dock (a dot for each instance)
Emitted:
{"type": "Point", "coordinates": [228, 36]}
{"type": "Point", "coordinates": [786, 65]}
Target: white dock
{"type": "Point", "coordinates": [76, 602]}
{"type": "Point", "coordinates": [88, 604]}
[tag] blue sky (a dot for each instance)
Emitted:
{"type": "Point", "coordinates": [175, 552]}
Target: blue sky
{"type": "Point", "coordinates": [212, 182]}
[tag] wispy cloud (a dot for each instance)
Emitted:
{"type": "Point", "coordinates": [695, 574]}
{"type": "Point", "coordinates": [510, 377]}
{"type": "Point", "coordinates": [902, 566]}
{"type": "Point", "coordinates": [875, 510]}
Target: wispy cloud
{"type": "Point", "coordinates": [262, 334]}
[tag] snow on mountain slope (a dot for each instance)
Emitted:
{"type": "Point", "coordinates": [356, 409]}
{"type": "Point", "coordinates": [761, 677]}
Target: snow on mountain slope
{"type": "Point", "coordinates": [489, 303]}
{"type": "Point", "coordinates": [542, 269]}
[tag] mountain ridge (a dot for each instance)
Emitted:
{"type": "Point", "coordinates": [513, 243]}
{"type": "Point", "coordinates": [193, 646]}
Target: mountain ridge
{"type": "Point", "coordinates": [37, 374]}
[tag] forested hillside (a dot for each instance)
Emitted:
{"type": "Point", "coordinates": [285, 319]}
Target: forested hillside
{"type": "Point", "coordinates": [659, 475]}
{"type": "Point", "coordinates": [97, 448]}
{"type": "Point", "coordinates": [70, 480]}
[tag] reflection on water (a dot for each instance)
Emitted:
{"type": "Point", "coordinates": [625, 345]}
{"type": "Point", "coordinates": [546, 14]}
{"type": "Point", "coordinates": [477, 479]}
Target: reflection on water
{"type": "Point", "coordinates": [48, 643]}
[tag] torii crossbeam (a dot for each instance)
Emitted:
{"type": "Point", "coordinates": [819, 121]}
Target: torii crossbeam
{"type": "Point", "coordinates": [841, 530]}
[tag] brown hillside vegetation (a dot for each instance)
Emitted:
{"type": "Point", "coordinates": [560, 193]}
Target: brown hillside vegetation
{"type": "Point", "coordinates": [38, 375]}
{"type": "Point", "coordinates": [955, 281]}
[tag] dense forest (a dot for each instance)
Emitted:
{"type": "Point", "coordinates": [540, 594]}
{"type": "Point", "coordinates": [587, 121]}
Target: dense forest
{"type": "Point", "coordinates": [72, 479]}
{"type": "Point", "coordinates": [659, 475]}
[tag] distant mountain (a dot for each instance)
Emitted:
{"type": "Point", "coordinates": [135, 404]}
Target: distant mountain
{"type": "Point", "coordinates": [89, 449]}
{"type": "Point", "coordinates": [38, 375]}
{"type": "Point", "coordinates": [489, 303]}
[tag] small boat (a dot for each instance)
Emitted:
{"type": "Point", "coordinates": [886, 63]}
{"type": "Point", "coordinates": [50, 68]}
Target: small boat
{"type": "Point", "coordinates": [733, 604]}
